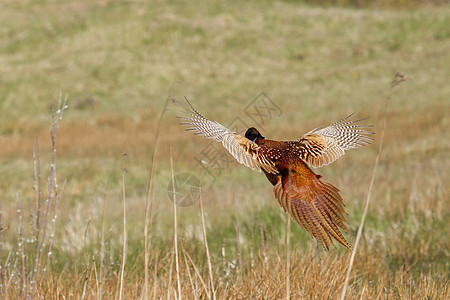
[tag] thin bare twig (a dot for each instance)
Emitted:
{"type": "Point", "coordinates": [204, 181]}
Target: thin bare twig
{"type": "Point", "coordinates": [53, 195]}
{"type": "Point", "coordinates": [38, 194]}
{"type": "Point", "coordinates": [30, 262]}
{"type": "Point", "coordinates": [21, 249]}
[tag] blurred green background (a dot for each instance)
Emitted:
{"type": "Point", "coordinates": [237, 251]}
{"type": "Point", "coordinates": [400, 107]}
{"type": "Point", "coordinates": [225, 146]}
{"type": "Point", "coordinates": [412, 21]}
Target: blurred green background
{"type": "Point", "coordinates": [118, 62]}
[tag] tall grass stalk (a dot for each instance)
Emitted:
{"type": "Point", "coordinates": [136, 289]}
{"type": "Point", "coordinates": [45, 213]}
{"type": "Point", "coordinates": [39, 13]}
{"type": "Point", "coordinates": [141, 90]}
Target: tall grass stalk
{"type": "Point", "coordinates": [205, 240]}
{"type": "Point", "coordinates": [102, 248]}
{"type": "Point", "coordinates": [169, 284]}
{"type": "Point", "coordinates": [238, 250]}
{"type": "Point", "coordinates": [175, 233]}
{"type": "Point", "coordinates": [149, 210]}
{"type": "Point", "coordinates": [288, 258]}
{"type": "Point", "coordinates": [193, 287]}
{"type": "Point", "coordinates": [398, 78]}
{"type": "Point", "coordinates": [196, 272]}
{"type": "Point", "coordinates": [124, 250]}
{"type": "Point", "coordinates": [2, 270]}
{"type": "Point", "coordinates": [86, 258]}
{"type": "Point", "coordinates": [155, 275]}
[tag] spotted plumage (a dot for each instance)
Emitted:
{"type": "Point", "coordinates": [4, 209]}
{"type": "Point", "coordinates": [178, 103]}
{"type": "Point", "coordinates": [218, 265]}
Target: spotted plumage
{"type": "Point", "coordinates": [313, 203]}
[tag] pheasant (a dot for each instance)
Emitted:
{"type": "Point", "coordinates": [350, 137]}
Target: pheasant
{"type": "Point", "coordinates": [312, 202]}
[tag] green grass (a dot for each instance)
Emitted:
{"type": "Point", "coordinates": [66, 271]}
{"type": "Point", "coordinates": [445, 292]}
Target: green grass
{"type": "Point", "coordinates": [119, 61]}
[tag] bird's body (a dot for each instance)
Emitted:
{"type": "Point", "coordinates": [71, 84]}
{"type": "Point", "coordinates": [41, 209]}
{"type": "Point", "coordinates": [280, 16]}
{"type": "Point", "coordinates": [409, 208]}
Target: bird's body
{"type": "Point", "coordinates": [298, 189]}
{"type": "Point", "coordinates": [313, 203]}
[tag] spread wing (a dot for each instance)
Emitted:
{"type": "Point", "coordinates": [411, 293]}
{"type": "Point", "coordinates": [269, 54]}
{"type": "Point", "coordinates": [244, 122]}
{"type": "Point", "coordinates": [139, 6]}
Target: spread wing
{"type": "Point", "coordinates": [322, 146]}
{"type": "Point", "coordinates": [243, 150]}
{"type": "Point", "coordinates": [315, 205]}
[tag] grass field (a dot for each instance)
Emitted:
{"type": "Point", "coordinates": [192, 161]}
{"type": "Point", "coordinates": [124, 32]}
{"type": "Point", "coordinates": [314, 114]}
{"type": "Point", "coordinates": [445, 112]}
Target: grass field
{"type": "Point", "coordinates": [119, 62]}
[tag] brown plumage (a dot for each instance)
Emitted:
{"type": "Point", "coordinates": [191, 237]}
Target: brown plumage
{"type": "Point", "coordinates": [313, 203]}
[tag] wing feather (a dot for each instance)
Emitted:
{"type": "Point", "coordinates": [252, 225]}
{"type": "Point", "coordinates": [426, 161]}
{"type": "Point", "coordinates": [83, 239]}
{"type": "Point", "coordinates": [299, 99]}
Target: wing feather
{"type": "Point", "coordinates": [323, 146]}
{"type": "Point", "coordinates": [243, 150]}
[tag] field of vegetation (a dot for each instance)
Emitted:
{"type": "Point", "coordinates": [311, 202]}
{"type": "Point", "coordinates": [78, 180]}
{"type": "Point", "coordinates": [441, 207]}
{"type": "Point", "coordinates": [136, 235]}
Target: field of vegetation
{"type": "Point", "coordinates": [85, 197]}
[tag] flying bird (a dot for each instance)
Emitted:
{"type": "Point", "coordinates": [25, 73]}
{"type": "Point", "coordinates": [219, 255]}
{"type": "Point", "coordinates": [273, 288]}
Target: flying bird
{"type": "Point", "coordinates": [312, 202]}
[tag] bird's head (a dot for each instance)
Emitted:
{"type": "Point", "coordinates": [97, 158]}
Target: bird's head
{"type": "Point", "coordinates": [253, 134]}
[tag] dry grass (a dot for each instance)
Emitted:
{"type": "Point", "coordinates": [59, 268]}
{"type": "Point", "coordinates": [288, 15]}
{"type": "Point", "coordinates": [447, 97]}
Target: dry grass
{"type": "Point", "coordinates": [310, 277]}
{"type": "Point", "coordinates": [120, 61]}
